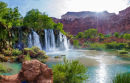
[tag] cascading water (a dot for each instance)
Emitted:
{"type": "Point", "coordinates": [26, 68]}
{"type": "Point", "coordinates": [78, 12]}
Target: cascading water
{"type": "Point", "coordinates": [62, 41]}
{"type": "Point", "coordinates": [30, 41]}
{"type": "Point", "coordinates": [49, 40]}
{"type": "Point", "coordinates": [49, 43]}
{"type": "Point", "coordinates": [33, 40]}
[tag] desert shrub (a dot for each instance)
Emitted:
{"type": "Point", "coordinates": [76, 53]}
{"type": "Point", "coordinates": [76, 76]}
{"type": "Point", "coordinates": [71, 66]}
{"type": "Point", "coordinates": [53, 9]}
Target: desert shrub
{"type": "Point", "coordinates": [16, 52]}
{"type": "Point", "coordinates": [122, 78]}
{"type": "Point", "coordinates": [71, 71]}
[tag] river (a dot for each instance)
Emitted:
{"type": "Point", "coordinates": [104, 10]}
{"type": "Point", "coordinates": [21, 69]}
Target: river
{"type": "Point", "coordinates": [102, 66]}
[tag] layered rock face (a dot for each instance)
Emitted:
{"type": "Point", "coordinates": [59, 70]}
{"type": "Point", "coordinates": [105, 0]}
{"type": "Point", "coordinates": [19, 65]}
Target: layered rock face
{"type": "Point", "coordinates": [32, 72]}
{"type": "Point", "coordinates": [105, 22]}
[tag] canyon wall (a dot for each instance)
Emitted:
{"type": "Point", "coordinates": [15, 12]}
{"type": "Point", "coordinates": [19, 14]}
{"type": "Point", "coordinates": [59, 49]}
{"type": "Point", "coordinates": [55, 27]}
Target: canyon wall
{"type": "Point", "coordinates": [105, 22]}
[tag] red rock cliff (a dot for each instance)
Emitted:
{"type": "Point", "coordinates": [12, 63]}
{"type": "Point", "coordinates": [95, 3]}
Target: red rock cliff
{"type": "Point", "coordinates": [105, 22]}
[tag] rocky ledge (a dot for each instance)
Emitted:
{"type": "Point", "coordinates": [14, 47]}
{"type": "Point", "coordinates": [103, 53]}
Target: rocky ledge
{"type": "Point", "coordinates": [32, 71]}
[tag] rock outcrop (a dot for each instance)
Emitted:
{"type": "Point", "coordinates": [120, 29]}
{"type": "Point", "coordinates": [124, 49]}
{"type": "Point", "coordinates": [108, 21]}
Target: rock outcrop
{"type": "Point", "coordinates": [105, 22]}
{"type": "Point", "coordinates": [31, 72]}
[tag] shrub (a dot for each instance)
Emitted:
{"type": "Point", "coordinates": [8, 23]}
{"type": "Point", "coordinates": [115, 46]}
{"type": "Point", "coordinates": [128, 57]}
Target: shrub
{"type": "Point", "coordinates": [27, 57]}
{"type": "Point", "coordinates": [96, 46]}
{"type": "Point", "coordinates": [116, 34]}
{"type": "Point", "coordinates": [76, 43]}
{"type": "Point", "coordinates": [80, 35]}
{"type": "Point", "coordinates": [16, 52]}
{"type": "Point", "coordinates": [115, 45]}
{"type": "Point", "coordinates": [71, 71]}
{"type": "Point", "coordinates": [122, 78]}
{"type": "Point", "coordinates": [123, 52]}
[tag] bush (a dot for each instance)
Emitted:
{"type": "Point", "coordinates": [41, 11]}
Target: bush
{"type": "Point", "coordinates": [27, 57]}
{"type": "Point", "coordinates": [123, 52]}
{"type": "Point", "coordinates": [76, 43]}
{"type": "Point", "coordinates": [80, 35]}
{"type": "Point", "coordinates": [115, 45]}
{"type": "Point", "coordinates": [16, 52]}
{"type": "Point", "coordinates": [122, 78]}
{"type": "Point", "coordinates": [71, 71]}
{"type": "Point", "coordinates": [96, 46]}
{"type": "Point", "coordinates": [116, 34]}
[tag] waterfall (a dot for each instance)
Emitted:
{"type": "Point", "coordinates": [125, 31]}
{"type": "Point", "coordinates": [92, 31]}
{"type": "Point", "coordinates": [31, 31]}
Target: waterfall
{"type": "Point", "coordinates": [49, 40]}
{"type": "Point", "coordinates": [63, 42]}
{"type": "Point", "coordinates": [33, 40]}
{"type": "Point", "coordinates": [30, 41]}
{"type": "Point", "coordinates": [36, 40]}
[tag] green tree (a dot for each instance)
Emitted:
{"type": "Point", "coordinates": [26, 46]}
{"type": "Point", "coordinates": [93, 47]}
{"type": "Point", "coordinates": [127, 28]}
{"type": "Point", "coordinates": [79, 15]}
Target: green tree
{"type": "Point", "coordinates": [80, 35]}
{"type": "Point", "coordinates": [121, 35]}
{"type": "Point", "coordinates": [100, 35]}
{"type": "Point", "coordinates": [32, 18]}
{"type": "Point", "coordinates": [71, 71]}
{"type": "Point", "coordinates": [90, 33]}
{"type": "Point", "coordinates": [58, 26]}
{"type": "Point", "coordinates": [116, 34]}
{"type": "Point", "coordinates": [126, 36]}
{"type": "Point", "coordinates": [76, 43]}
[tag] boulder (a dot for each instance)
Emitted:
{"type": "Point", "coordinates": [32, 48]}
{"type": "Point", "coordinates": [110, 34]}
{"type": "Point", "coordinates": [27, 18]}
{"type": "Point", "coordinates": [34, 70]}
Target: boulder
{"type": "Point", "coordinates": [32, 71]}
{"type": "Point", "coordinates": [33, 52]}
{"type": "Point", "coordinates": [21, 58]}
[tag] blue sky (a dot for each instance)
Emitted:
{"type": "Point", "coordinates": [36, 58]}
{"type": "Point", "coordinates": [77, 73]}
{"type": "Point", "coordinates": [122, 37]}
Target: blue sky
{"type": "Point", "coordinates": [56, 8]}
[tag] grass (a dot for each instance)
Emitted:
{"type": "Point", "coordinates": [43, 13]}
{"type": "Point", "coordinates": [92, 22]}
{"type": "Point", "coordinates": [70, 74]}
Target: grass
{"type": "Point", "coordinates": [123, 52]}
{"type": "Point", "coordinates": [27, 57]}
{"type": "Point", "coordinates": [122, 78]}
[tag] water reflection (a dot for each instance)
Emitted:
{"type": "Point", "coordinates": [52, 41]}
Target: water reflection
{"type": "Point", "coordinates": [101, 74]}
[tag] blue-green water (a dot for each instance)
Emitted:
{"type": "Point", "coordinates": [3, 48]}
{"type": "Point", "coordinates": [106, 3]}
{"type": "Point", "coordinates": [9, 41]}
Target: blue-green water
{"type": "Point", "coordinates": [14, 66]}
{"type": "Point", "coordinates": [102, 66]}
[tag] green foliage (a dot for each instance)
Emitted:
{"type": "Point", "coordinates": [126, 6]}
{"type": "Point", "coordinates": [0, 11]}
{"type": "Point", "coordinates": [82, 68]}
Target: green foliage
{"type": "Point", "coordinates": [115, 45]}
{"type": "Point", "coordinates": [100, 35]}
{"type": "Point", "coordinates": [121, 35]}
{"type": "Point", "coordinates": [128, 45]}
{"type": "Point", "coordinates": [35, 19]}
{"type": "Point", "coordinates": [2, 68]}
{"type": "Point", "coordinates": [96, 46]}
{"type": "Point", "coordinates": [126, 36]}
{"type": "Point", "coordinates": [16, 52]}
{"type": "Point", "coordinates": [123, 52]}
{"type": "Point", "coordinates": [122, 78]}
{"type": "Point", "coordinates": [58, 26]}
{"type": "Point", "coordinates": [116, 34]}
{"type": "Point", "coordinates": [107, 35]}
{"type": "Point", "coordinates": [27, 57]}
{"type": "Point", "coordinates": [90, 33]}
{"type": "Point", "coordinates": [76, 43]}
{"type": "Point", "coordinates": [80, 35]}
{"type": "Point", "coordinates": [71, 71]}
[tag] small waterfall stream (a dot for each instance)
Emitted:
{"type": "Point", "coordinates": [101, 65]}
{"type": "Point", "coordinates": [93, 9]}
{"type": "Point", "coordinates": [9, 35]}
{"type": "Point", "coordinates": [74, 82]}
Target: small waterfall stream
{"type": "Point", "coordinates": [51, 41]}
{"type": "Point", "coordinates": [33, 40]}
